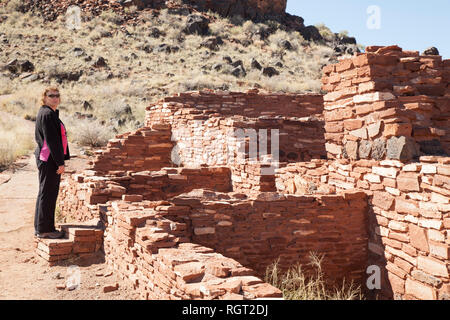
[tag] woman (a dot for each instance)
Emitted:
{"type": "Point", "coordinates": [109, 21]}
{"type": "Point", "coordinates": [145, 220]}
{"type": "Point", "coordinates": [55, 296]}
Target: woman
{"type": "Point", "coordinates": [52, 149]}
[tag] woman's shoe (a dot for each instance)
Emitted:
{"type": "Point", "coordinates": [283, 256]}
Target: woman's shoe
{"type": "Point", "coordinates": [50, 235]}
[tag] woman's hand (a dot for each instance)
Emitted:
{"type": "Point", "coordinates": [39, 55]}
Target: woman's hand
{"type": "Point", "coordinates": [60, 170]}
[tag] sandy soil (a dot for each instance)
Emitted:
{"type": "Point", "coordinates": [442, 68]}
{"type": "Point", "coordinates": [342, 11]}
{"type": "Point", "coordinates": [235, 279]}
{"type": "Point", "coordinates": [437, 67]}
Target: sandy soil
{"type": "Point", "coordinates": [24, 275]}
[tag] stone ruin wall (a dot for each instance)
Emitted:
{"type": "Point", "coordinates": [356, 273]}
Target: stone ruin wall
{"type": "Point", "coordinates": [149, 242]}
{"type": "Point", "coordinates": [387, 102]}
{"type": "Point", "coordinates": [408, 220]}
{"type": "Point", "coordinates": [204, 125]}
{"type": "Point", "coordinates": [374, 190]}
{"type": "Point", "coordinates": [387, 115]}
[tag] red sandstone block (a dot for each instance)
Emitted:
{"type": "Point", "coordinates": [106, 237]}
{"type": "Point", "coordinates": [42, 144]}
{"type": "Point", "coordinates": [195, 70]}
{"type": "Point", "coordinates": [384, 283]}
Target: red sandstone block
{"type": "Point", "coordinates": [382, 200]}
{"type": "Point", "coordinates": [95, 199]}
{"type": "Point", "coordinates": [397, 129]}
{"type": "Point", "coordinates": [418, 238]}
{"type": "Point", "coordinates": [190, 271]}
{"type": "Point", "coordinates": [55, 251]}
{"type": "Point", "coordinates": [363, 109]}
{"type": "Point", "coordinates": [440, 250]}
{"type": "Point", "coordinates": [132, 197]}
{"type": "Point", "coordinates": [110, 288]}
{"type": "Point", "coordinates": [329, 69]}
{"type": "Point", "coordinates": [86, 239]}
{"type": "Point", "coordinates": [344, 65]}
{"type": "Point", "coordinates": [83, 247]}
{"type": "Point", "coordinates": [406, 266]}
{"type": "Point", "coordinates": [398, 226]}
{"type": "Point", "coordinates": [419, 290]}
{"type": "Point", "coordinates": [393, 243]}
{"type": "Point", "coordinates": [408, 181]}
{"type": "Point", "coordinates": [406, 207]}
{"type": "Point", "coordinates": [242, 271]}
{"type": "Point", "coordinates": [353, 124]}
{"type": "Point", "coordinates": [328, 87]}
{"type": "Point", "coordinates": [441, 181]}
{"type": "Point", "coordinates": [334, 127]}
{"type": "Point", "coordinates": [433, 266]}
{"type": "Point", "coordinates": [410, 250]}
{"type": "Point", "coordinates": [444, 170]}
{"type": "Point", "coordinates": [399, 236]}
{"type": "Point", "coordinates": [396, 270]}
{"type": "Point", "coordinates": [263, 290]}
{"type": "Point", "coordinates": [388, 182]}
{"type": "Point", "coordinates": [339, 114]}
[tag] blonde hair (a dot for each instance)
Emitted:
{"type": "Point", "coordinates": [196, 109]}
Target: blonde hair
{"type": "Point", "coordinates": [47, 90]}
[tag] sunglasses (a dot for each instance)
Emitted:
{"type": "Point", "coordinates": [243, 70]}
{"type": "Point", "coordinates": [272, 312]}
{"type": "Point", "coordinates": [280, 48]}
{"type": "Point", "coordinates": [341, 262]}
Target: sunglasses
{"type": "Point", "coordinates": [53, 95]}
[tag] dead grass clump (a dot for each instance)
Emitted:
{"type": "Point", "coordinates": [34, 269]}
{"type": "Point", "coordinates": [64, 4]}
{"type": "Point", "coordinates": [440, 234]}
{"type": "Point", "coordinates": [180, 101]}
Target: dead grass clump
{"type": "Point", "coordinates": [14, 141]}
{"type": "Point", "coordinates": [87, 132]}
{"type": "Point", "coordinates": [295, 285]}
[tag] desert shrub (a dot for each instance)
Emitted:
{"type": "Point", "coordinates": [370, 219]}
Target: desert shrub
{"type": "Point", "coordinates": [249, 27]}
{"type": "Point", "coordinates": [201, 81]}
{"type": "Point", "coordinates": [219, 27]}
{"type": "Point", "coordinates": [88, 133]}
{"type": "Point", "coordinates": [325, 32]}
{"type": "Point", "coordinates": [295, 38]}
{"type": "Point", "coordinates": [296, 285]}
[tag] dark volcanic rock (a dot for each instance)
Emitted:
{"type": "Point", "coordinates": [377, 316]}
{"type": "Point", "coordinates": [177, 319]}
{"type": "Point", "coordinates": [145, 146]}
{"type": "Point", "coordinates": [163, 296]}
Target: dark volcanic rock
{"type": "Point", "coordinates": [255, 64]}
{"type": "Point", "coordinates": [100, 62]}
{"type": "Point", "coordinates": [351, 150]}
{"type": "Point", "coordinates": [212, 43]}
{"type": "Point", "coordinates": [19, 66]}
{"type": "Point", "coordinates": [401, 148]}
{"type": "Point", "coordinates": [379, 149]}
{"type": "Point", "coordinates": [87, 106]}
{"type": "Point", "coordinates": [239, 72]}
{"type": "Point", "coordinates": [432, 51]}
{"type": "Point", "coordinates": [365, 147]}
{"type": "Point", "coordinates": [270, 72]}
{"type": "Point", "coordinates": [310, 33]}
{"type": "Point", "coordinates": [228, 59]}
{"type": "Point", "coordinates": [238, 63]}
{"type": "Point", "coordinates": [285, 44]}
{"type": "Point", "coordinates": [60, 76]}
{"type": "Point", "coordinates": [347, 40]}
{"type": "Point", "coordinates": [166, 48]}
{"type": "Point", "coordinates": [196, 24]}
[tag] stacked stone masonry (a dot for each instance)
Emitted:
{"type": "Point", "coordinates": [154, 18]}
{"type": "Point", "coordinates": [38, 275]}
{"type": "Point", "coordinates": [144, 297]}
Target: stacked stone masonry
{"type": "Point", "coordinates": [204, 124]}
{"type": "Point", "coordinates": [409, 217]}
{"type": "Point", "coordinates": [80, 240]}
{"type": "Point", "coordinates": [149, 246]}
{"type": "Point", "coordinates": [363, 177]}
{"type": "Point", "coordinates": [387, 103]}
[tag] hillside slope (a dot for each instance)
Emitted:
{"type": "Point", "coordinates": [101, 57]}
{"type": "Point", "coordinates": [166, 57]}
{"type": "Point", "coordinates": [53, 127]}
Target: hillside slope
{"type": "Point", "coordinates": [119, 59]}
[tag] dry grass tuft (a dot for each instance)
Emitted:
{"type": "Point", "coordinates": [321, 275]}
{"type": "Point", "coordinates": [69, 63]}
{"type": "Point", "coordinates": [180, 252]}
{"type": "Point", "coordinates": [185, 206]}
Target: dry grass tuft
{"type": "Point", "coordinates": [295, 285]}
{"type": "Point", "coordinates": [14, 141]}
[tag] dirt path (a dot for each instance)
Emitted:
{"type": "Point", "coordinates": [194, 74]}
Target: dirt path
{"type": "Point", "coordinates": [23, 275]}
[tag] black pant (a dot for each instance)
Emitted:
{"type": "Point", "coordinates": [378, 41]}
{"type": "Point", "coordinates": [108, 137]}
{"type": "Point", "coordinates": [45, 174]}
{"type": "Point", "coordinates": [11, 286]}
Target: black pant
{"type": "Point", "coordinates": [44, 216]}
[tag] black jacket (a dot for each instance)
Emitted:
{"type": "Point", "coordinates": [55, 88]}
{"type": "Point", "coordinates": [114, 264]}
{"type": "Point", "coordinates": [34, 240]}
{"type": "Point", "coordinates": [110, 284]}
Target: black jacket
{"type": "Point", "coordinates": [48, 128]}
